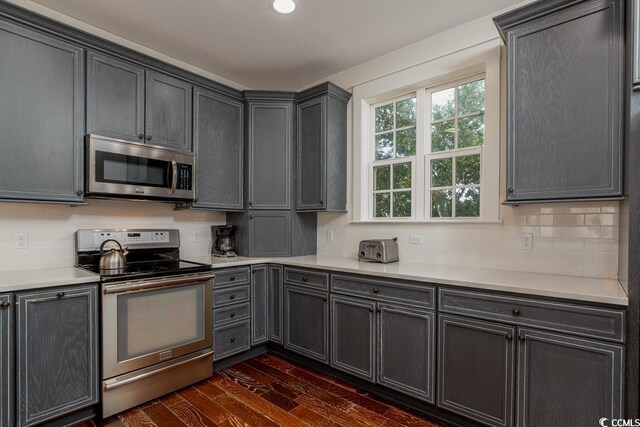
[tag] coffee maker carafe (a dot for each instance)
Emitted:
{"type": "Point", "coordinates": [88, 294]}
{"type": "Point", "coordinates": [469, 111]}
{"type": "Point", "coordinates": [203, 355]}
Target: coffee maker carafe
{"type": "Point", "coordinates": [223, 245]}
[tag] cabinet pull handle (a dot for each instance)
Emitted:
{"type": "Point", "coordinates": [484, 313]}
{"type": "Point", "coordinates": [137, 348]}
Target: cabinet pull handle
{"type": "Point", "coordinates": [232, 296]}
{"type": "Point", "coordinates": [375, 290]}
{"type": "Point", "coordinates": [233, 339]}
{"type": "Point", "coordinates": [232, 278]}
{"type": "Point", "coordinates": [60, 295]}
{"type": "Point", "coordinates": [141, 136]}
{"type": "Point", "coordinates": [5, 305]}
{"type": "Point", "coordinates": [149, 137]}
{"type": "Point", "coordinates": [521, 337]}
{"type": "Point", "coordinates": [516, 312]}
{"type": "Point", "coordinates": [509, 337]}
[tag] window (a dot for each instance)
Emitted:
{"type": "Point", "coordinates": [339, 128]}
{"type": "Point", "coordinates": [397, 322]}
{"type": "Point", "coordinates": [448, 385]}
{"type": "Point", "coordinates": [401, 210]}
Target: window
{"type": "Point", "coordinates": [426, 157]}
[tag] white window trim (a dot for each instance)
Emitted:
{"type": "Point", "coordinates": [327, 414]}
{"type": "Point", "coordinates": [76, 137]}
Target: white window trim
{"type": "Point", "coordinates": [449, 69]}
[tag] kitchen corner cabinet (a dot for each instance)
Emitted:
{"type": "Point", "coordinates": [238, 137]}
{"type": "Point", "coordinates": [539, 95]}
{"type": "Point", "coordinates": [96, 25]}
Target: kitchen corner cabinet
{"type": "Point", "coordinates": [6, 360]}
{"type": "Point", "coordinates": [42, 114]}
{"type": "Point", "coordinates": [565, 115]}
{"type": "Point", "coordinates": [259, 292]}
{"type": "Point", "coordinates": [218, 145]}
{"type": "Point", "coordinates": [56, 352]}
{"type": "Point", "coordinates": [306, 317]}
{"type": "Point", "coordinates": [321, 161]}
{"type": "Point", "coordinates": [275, 301]}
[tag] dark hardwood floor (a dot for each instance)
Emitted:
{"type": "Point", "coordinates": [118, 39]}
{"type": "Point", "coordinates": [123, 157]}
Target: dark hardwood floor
{"type": "Point", "coordinates": [267, 391]}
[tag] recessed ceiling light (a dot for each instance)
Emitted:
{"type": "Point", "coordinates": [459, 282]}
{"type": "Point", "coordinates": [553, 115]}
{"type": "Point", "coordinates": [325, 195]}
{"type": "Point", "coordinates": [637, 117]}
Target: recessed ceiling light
{"type": "Point", "coordinates": [284, 6]}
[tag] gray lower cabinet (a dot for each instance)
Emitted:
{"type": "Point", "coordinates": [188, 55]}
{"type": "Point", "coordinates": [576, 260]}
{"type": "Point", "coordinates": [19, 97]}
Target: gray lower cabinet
{"type": "Point", "coordinates": [115, 97]}
{"type": "Point", "coordinates": [567, 381]}
{"type": "Point", "coordinates": [565, 125]}
{"type": "Point", "coordinates": [259, 292]}
{"type": "Point", "coordinates": [306, 320]}
{"type": "Point", "coordinates": [56, 352]}
{"type": "Point", "coordinates": [275, 301]}
{"type": "Point", "coordinates": [41, 116]}
{"type": "Point", "coordinates": [218, 146]}
{"type": "Point", "coordinates": [168, 111]}
{"type": "Point", "coordinates": [6, 360]}
{"type": "Point", "coordinates": [476, 368]}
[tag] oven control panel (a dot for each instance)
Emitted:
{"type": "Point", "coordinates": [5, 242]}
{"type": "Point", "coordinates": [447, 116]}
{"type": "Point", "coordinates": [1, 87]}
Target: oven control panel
{"type": "Point", "coordinates": [126, 238]}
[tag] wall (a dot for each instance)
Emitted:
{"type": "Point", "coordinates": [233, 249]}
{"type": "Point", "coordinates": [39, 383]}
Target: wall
{"type": "Point", "coordinates": [51, 229]}
{"type": "Point", "coordinates": [578, 239]}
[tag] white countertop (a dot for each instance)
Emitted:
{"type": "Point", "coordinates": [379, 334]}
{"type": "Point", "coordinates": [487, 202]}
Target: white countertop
{"type": "Point", "coordinates": [604, 291]}
{"type": "Point", "coordinates": [21, 280]}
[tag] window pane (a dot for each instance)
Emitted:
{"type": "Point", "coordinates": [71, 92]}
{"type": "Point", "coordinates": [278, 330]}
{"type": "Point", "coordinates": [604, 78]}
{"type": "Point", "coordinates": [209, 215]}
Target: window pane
{"type": "Point", "coordinates": [406, 113]}
{"type": "Point", "coordinates": [384, 146]}
{"type": "Point", "coordinates": [382, 208]}
{"type": "Point", "coordinates": [406, 143]}
{"type": "Point", "coordinates": [471, 98]}
{"type": "Point", "coordinates": [402, 175]}
{"type": "Point", "coordinates": [468, 202]}
{"type": "Point", "coordinates": [441, 203]}
{"type": "Point", "coordinates": [471, 131]}
{"type": "Point", "coordinates": [443, 136]}
{"type": "Point", "coordinates": [402, 204]}
{"type": "Point", "coordinates": [468, 170]}
{"type": "Point", "coordinates": [384, 118]}
{"type": "Point", "coordinates": [382, 177]}
{"type": "Point", "coordinates": [441, 172]}
{"type": "Point", "coordinates": [443, 104]}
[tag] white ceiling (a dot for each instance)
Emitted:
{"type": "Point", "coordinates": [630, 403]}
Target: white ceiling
{"type": "Point", "coordinates": [247, 42]}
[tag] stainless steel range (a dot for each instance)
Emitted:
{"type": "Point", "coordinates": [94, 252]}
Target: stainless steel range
{"type": "Point", "coordinates": [157, 315]}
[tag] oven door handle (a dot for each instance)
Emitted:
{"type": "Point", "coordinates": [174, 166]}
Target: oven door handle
{"type": "Point", "coordinates": [155, 284]}
{"type": "Point", "coordinates": [116, 384]}
{"type": "Point", "coordinates": [174, 175]}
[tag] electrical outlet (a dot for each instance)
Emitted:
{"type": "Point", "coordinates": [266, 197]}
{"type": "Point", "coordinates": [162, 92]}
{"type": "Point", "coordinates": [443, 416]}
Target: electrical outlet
{"type": "Point", "coordinates": [198, 236]}
{"type": "Point", "coordinates": [526, 241]}
{"type": "Point", "coordinates": [330, 235]}
{"type": "Point", "coordinates": [20, 240]}
{"type": "Point", "coordinates": [415, 239]}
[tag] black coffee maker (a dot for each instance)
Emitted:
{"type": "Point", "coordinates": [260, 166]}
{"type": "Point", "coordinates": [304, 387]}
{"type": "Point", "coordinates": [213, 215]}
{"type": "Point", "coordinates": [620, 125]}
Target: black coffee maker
{"type": "Point", "coordinates": [223, 245]}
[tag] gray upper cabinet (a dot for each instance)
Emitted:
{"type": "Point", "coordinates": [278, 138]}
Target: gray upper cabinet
{"type": "Point", "coordinates": [269, 233]}
{"type": "Point", "coordinates": [275, 303]}
{"type": "Point", "coordinates": [270, 151]}
{"type": "Point", "coordinates": [168, 111]}
{"type": "Point", "coordinates": [307, 322]}
{"type": "Point", "coordinates": [565, 99]}
{"type": "Point", "coordinates": [476, 369]}
{"type": "Point", "coordinates": [259, 291]}
{"type": "Point", "coordinates": [41, 116]}
{"type": "Point", "coordinates": [218, 146]}
{"type": "Point", "coordinates": [115, 97]}
{"type": "Point", "coordinates": [321, 166]}
{"type": "Point", "coordinates": [567, 381]}
{"type": "Point", "coordinates": [57, 352]}
{"type": "Point", "coordinates": [636, 42]}
{"type": "Point", "coordinates": [6, 360]}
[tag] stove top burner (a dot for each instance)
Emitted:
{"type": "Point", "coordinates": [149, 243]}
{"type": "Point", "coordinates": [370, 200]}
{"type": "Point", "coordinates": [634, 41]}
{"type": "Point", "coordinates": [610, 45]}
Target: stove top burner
{"type": "Point", "coordinates": [141, 270]}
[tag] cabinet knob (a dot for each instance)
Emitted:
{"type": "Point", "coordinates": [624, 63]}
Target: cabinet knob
{"type": "Point", "coordinates": [509, 337]}
{"type": "Point", "coordinates": [516, 312]}
{"type": "Point", "coordinates": [304, 279]}
{"type": "Point", "coordinates": [141, 136]}
{"type": "Point", "coordinates": [149, 137]}
{"type": "Point", "coordinates": [324, 298]}
{"type": "Point", "coordinates": [232, 315]}
{"type": "Point", "coordinates": [510, 190]}
{"type": "Point", "coordinates": [521, 337]}
{"type": "Point", "coordinates": [232, 296]}
{"type": "Point", "coordinates": [250, 203]}
{"type": "Point", "coordinates": [250, 216]}
{"type": "Point", "coordinates": [233, 339]}
{"type": "Point", "coordinates": [60, 295]}
{"type": "Point", "coordinates": [371, 309]}
{"type": "Point", "coordinates": [232, 278]}
{"type": "Point", "coordinates": [5, 305]}
{"type": "Point", "coordinates": [79, 192]}
{"type": "Point", "coordinates": [195, 200]}
{"type": "Point", "coordinates": [376, 290]}
{"type": "Point", "coordinates": [321, 202]}
{"type": "Point", "coordinates": [379, 310]}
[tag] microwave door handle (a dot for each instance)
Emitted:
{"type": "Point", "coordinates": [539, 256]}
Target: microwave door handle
{"type": "Point", "coordinates": [174, 176]}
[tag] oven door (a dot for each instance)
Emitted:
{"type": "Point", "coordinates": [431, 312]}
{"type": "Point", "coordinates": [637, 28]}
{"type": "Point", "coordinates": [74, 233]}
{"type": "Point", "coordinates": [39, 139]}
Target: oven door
{"type": "Point", "coordinates": [146, 322]}
{"type": "Point", "coordinates": [124, 168]}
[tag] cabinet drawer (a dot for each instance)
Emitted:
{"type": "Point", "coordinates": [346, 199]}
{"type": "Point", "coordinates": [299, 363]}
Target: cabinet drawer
{"type": "Point", "coordinates": [407, 293]}
{"type": "Point", "coordinates": [229, 296]}
{"type": "Point", "coordinates": [308, 278]}
{"type": "Point", "coordinates": [229, 314]}
{"type": "Point", "coordinates": [231, 340]}
{"type": "Point", "coordinates": [232, 277]}
{"type": "Point", "coordinates": [576, 319]}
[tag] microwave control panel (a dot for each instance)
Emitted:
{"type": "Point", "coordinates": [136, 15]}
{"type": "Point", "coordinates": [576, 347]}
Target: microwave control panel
{"type": "Point", "coordinates": [185, 178]}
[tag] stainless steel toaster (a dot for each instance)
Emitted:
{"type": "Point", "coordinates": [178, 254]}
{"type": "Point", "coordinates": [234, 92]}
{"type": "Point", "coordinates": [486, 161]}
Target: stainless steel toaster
{"type": "Point", "coordinates": [379, 250]}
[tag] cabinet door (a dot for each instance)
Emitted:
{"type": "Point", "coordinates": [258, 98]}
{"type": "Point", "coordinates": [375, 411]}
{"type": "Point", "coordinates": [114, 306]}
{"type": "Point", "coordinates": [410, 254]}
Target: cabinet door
{"type": "Point", "coordinates": [275, 303]}
{"type": "Point", "coordinates": [407, 350]}
{"type": "Point", "coordinates": [270, 142]}
{"type": "Point", "coordinates": [353, 332]}
{"type": "Point", "coordinates": [269, 233]}
{"type": "Point", "coordinates": [567, 381]}
{"type": "Point", "coordinates": [307, 323]}
{"type": "Point", "coordinates": [57, 352]}
{"type": "Point", "coordinates": [476, 369]}
{"type": "Point", "coordinates": [218, 145]}
{"type": "Point", "coordinates": [311, 158]}
{"type": "Point", "coordinates": [115, 98]}
{"type": "Point", "coordinates": [168, 111]}
{"type": "Point", "coordinates": [566, 124]}
{"type": "Point", "coordinates": [41, 116]}
{"type": "Point", "coordinates": [259, 322]}
{"type": "Point", "coordinates": [6, 360]}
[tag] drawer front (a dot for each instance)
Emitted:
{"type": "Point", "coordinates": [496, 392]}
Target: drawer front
{"type": "Point", "coordinates": [406, 293]}
{"type": "Point", "coordinates": [229, 296]}
{"type": "Point", "coordinates": [592, 322]}
{"type": "Point", "coordinates": [231, 340]}
{"type": "Point", "coordinates": [232, 277]}
{"type": "Point", "coordinates": [230, 314]}
{"type": "Point", "coordinates": [308, 278]}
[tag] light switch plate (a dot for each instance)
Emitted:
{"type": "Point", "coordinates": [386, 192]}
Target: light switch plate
{"type": "Point", "coordinates": [415, 239]}
{"type": "Point", "coordinates": [330, 235]}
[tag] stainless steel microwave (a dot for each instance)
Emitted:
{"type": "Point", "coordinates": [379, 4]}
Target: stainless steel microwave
{"type": "Point", "coordinates": [117, 168]}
